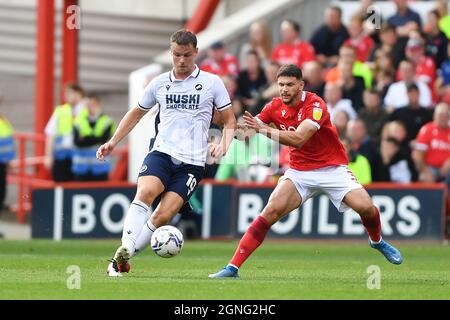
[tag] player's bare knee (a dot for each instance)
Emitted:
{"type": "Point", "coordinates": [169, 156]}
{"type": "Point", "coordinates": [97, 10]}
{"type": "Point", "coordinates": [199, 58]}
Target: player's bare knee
{"type": "Point", "coordinates": [271, 213]}
{"type": "Point", "coordinates": [145, 195]}
{"type": "Point", "coordinates": [159, 219]}
{"type": "Point", "coordinates": [366, 209]}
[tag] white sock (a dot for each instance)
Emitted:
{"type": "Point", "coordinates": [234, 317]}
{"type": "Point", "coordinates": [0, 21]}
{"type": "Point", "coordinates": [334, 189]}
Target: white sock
{"type": "Point", "coordinates": [136, 217]}
{"type": "Point", "coordinates": [375, 242]}
{"type": "Point", "coordinates": [144, 238]}
{"type": "Point", "coordinates": [232, 265]}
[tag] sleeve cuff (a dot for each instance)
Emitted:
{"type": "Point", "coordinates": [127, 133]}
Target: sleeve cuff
{"type": "Point", "coordinates": [313, 123]}
{"type": "Point", "coordinates": [260, 121]}
{"type": "Point", "coordinates": [421, 146]}
{"type": "Point", "coordinates": [143, 108]}
{"type": "Point", "coordinates": [224, 107]}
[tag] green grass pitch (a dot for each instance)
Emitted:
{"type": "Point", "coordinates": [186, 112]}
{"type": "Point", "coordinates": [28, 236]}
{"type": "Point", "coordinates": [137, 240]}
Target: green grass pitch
{"type": "Point", "coordinates": [277, 270]}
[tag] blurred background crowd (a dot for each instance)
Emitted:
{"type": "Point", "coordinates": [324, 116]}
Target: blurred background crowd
{"type": "Point", "coordinates": [387, 89]}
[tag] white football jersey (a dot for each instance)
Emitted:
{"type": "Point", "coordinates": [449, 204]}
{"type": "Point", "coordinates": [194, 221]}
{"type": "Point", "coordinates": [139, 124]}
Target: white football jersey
{"type": "Point", "coordinates": [185, 113]}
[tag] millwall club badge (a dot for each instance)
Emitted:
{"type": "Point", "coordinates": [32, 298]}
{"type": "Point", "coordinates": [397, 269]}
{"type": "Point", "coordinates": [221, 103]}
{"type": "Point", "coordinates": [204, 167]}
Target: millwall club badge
{"type": "Point", "coordinates": [317, 114]}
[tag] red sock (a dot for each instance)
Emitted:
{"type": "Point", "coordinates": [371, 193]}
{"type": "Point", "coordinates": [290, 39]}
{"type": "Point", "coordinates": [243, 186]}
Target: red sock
{"type": "Point", "coordinates": [251, 240]}
{"type": "Point", "coordinates": [373, 225]}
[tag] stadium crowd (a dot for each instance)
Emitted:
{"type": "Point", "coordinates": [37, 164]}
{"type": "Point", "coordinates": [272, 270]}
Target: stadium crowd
{"type": "Point", "coordinates": [387, 89]}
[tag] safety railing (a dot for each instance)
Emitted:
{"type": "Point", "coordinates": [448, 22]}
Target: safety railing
{"type": "Point", "coordinates": [29, 172]}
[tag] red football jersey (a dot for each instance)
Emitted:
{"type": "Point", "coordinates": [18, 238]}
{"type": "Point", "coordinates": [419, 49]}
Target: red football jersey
{"type": "Point", "coordinates": [229, 66]}
{"type": "Point", "coordinates": [324, 148]}
{"type": "Point", "coordinates": [426, 71]}
{"type": "Point", "coordinates": [298, 53]}
{"type": "Point", "coordinates": [363, 47]}
{"type": "Point", "coordinates": [435, 142]}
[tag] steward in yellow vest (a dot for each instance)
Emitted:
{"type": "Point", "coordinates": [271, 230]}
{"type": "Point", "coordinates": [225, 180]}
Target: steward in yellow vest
{"type": "Point", "coordinates": [7, 153]}
{"type": "Point", "coordinates": [7, 149]}
{"type": "Point", "coordinates": [91, 130]}
{"type": "Point", "coordinates": [59, 132]}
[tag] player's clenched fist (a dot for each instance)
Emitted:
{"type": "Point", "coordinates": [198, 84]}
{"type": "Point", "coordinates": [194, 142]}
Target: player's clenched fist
{"type": "Point", "coordinates": [104, 150]}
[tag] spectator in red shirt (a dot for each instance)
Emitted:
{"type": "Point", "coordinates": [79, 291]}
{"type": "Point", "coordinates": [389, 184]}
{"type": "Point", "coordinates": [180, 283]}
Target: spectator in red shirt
{"type": "Point", "coordinates": [362, 43]}
{"type": "Point", "coordinates": [220, 62]}
{"type": "Point", "coordinates": [432, 147]}
{"type": "Point", "coordinates": [292, 49]}
{"type": "Point", "coordinates": [425, 67]}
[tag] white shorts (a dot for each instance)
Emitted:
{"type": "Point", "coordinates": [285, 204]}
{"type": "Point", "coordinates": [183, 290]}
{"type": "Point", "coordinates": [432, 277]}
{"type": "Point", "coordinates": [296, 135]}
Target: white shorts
{"type": "Point", "coordinates": [334, 181]}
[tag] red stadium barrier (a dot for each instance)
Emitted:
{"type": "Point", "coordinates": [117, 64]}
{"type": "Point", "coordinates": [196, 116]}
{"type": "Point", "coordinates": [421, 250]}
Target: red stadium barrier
{"type": "Point", "coordinates": [203, 14]}
{"type": "Point", "coordinates": [45, 36]}
{"type": "Point", "coordinates": [69, 63]}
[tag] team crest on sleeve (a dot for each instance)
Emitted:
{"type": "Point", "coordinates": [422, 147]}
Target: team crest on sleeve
{"type": "Point", "coordinates": [317, 114]}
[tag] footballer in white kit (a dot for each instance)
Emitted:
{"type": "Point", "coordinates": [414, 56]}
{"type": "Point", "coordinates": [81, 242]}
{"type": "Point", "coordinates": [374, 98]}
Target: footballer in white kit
{"type": "Point", "coordinates": [175, 164]}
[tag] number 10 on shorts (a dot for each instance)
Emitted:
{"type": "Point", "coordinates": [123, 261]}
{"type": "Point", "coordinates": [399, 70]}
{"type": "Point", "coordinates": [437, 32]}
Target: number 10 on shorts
{"type": "Point", "coordinates": [191, 183]}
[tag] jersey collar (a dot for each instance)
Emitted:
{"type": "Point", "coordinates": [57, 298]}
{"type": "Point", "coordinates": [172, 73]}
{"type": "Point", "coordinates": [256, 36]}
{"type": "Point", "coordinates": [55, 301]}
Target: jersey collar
{"type": "Point", "coordinates": [302, 100]}
{"type": "Point", "coordinates": [300, 103]}
{"type": "Point", "coordinates": [194, 74]}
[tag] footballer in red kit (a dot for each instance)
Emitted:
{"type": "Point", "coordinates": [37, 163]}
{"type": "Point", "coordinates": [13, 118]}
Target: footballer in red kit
{"type": "Point", "coordinates": [324, 148]}
{"type": "Point", "coordinates": [318, 164]}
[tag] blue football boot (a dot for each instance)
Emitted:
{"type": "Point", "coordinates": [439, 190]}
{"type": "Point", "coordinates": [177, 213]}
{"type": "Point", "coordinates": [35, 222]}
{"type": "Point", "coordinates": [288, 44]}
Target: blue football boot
{"type": "Point", "coordinates": [227, 272]}
{"type": "Point", "coordinates": [391, 254]}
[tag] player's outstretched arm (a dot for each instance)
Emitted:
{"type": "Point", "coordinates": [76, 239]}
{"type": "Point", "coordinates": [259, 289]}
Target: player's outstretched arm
{"type": "Point", "coordinates": [128, 122]}
{"type": "Point", "coordinates": [217, 119]}
{"type": "Point", "coordinates": [294, 139]}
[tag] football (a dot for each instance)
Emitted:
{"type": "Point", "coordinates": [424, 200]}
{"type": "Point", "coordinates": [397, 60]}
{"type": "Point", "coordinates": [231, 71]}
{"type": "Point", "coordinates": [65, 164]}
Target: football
{"type": "Point", "coordinates": [167, 241]}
